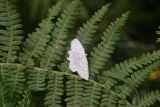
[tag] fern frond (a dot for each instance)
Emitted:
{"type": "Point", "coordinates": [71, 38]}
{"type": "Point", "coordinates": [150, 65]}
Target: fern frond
{"type": "Point", "coordinates": [129, 66]}
{"type": "Point", "coordinates": [4, 96]}
{"type": "Point", "coordinates": [75, 91]}
{"type": "Point", "coordinates": [147, 100]}
{"type": "Point", "coordinates": [85, 33]}
{"type": "Point", "coordinates": [92, 94]}
{"type": "Point", "coordinates": [14, 77]}
{"type": "Point", "coordinates": [10, 31]}
{"type": "Point", "coordinates": [55, 91]}
{"type": "Point", "coordinates": [56, 49]}
{"type": "Point", "coordinates": [131, 83]}
{"type": "Point", "coordinates": [36, 79]}
{"type": "Point", "coordinates": [36, 42]}
{"type": "Point", "coordinates": [101, 53]}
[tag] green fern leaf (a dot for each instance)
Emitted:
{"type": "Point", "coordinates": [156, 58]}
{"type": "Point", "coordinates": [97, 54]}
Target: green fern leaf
{"type": "Point", "coordinates": [136, 79]}
{"type": "Point", "coordinates": [74, 95]}
{"type": "Point", "coordinates": [108, 99]}
{"type": "Point", "coordinates": [101, 53]}
{"type": "Point", "coordinates": [13, 76]}
{"type": "Point", "coordinates": [147, 100]}
{"type": "Point", "coordinates": [56, 47]}
{"type": "Point", "coordinates": [10, 31]}
{"type": "Point", "coordinates": [36, 79]}
{"type": "Point", "coordinates": [4, 96]}
{"type": "Point", "coordinates": [85, 33]}
{"type": "Point", "coordinates": [37, 41]}
{"type": "Point", "coordinates": [55, 91]}
{"type": "Point", "coordinates": [92, 94]}
{"type": "Point", "coordinates": [128, 66]}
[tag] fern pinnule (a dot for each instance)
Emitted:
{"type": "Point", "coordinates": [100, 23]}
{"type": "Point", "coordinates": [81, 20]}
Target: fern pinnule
{"type": "Point", "coordinates": [10, 31]}
{"type": "Point", "coordinates": [55, 49]}
{"type": "Point", "coordinates": [36, 42]}
{"type": "Point", "coordinates": [147, 100]}
{"type": "Point", "coordinates": [85, 33]}
{"type": "Point", "coordinates": [101, 53]}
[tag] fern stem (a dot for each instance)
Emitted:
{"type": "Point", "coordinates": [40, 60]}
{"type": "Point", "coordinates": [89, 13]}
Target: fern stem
{"type": "Point", "coordinates": [67, 74]}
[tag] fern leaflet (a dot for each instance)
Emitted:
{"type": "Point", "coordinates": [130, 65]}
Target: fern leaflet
{"type": "Point", "coordinates": [101, 53]}
{"type": "Point", "coordinates": [37, 41]}
{"type": "Point", "coordinates": [10, 31]}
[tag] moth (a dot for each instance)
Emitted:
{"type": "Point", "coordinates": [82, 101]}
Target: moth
{"type": "Point", "coordinates": [78, 60]}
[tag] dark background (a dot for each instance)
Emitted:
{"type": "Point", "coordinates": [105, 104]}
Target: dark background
{"type": "Point", "coordinates": [138, 35]}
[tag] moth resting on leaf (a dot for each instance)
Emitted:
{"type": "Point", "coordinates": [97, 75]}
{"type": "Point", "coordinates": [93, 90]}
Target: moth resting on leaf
{"type": "Point", "coordinates": [78, 60]}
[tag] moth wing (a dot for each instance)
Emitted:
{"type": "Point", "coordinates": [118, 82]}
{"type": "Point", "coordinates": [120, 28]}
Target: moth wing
{"type": "Point", "coordinates": [82, 67]}
{"type": "Point", "coordinates": [82, 70]}
{"type": "Point", "coordinates": [77, 46]}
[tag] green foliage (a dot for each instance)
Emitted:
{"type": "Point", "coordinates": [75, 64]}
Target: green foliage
{"type": "Point", "coordinates": [36, 42]}
{"type": "Point", "coordinates": [147, 99]}
{"type": "Point", "coordinates": [101, 53]}
{"type": "Point", "coordinates": [10, 32]}
{"type": "Point", "coordinates": [31, 77]}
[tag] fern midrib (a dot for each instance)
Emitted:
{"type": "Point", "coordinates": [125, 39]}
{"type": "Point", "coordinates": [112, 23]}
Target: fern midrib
{"type": "Point", "coordinates": [15, 82]}
{"type": "Point", "coordinates": [37, 80]}
{"type": "Point", "coordinates": [110, 100]}
{"type": "Point", "coordinates": [10, 33]}
{"type": "Point", "coordinates": [88, 30]}
{"type": "Point", "coordinates": [92, 94]}
{"type": "Point", "coordinates": [92, 23]}
{"type": "Point", "coordinates": [68, 74]}
{"type": "Point", "coordinates": [55, 88]}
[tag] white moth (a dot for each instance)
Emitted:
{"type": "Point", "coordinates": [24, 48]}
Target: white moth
{"type": "Point", "coordinates": [78, 60]}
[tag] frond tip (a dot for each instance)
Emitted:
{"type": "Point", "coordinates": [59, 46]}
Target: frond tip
{"type": "Point", "coordinates": [85, 33]}
{"type": "Point", "coordinates": [101, 53]}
